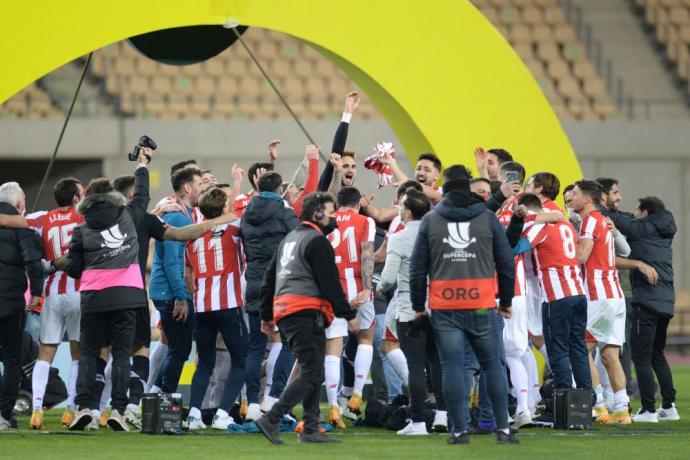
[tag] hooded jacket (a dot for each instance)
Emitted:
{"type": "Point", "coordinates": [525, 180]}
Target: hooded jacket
{"type": "Point", "coordinates": [650, 240]}
{"type": "Point", "coordinates": [265, 222]}
{"type": "Point", "coordinates": [104, 254]}
{"type": "Point", "coordinates": [460, 206]}
{"type": "Point", "coordinates": [20, 256]}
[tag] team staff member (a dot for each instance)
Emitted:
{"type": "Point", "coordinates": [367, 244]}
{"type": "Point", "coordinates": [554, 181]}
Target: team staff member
{"type": "Point", "coordinates": [20, 254]}
{"type": "Point", "coordinates": [301, 292]}
{"type": "Point", "coordinates": [460, 247]}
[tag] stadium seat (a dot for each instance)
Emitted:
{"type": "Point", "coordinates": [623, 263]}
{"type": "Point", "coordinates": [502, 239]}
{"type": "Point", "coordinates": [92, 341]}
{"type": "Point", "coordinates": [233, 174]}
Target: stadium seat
{"type": "Point", "coordinates": [228, 84]}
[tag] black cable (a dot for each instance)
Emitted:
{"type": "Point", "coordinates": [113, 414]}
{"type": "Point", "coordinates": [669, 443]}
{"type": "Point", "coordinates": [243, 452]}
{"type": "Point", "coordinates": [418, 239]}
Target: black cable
{"type": "Point", "coordinates": [275, 89]}
{"type": "Point", "coordinates": [62, 132]}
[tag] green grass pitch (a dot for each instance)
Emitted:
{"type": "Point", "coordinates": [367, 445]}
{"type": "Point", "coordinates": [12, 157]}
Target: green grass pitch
{"type": "Point", "coordinates": [664, 440]}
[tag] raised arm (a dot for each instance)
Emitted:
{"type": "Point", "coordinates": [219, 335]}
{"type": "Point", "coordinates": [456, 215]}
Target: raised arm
{"type": "Point", "coordinates": [340, 139]}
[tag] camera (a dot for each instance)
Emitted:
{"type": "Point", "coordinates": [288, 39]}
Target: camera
{"type": "Point", "coordinates": [144, 142]}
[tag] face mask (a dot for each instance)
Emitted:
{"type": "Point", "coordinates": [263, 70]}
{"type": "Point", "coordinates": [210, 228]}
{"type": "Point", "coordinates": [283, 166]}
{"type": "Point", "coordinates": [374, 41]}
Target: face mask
{"type": "Point", "coordinates": [328, 228]}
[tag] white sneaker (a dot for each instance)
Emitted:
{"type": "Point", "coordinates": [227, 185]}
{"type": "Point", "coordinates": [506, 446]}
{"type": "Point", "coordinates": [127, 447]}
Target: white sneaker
{"type": "Point", "coordinates": [117, 421]}
{"type": "Point", "coordinates": [344, 411]}
{"type": "Point", "coordinates": [4, 424]}
{"type": "Point", "coordinates": [522, 419]}
{"type": "Point", "coordinates": [253, 412]}
{"type": "Point", "coordinates": [195, 424]}
{"type": "Point", "coordinates": [221, 420]}
{"type": "Point", "coordinates": [132, 418]}
{"type": "Point", "coordinates": [643, 416]}
{"type": "Point", "coordinates": [268, 403]}
{"type": "Point", "coordinates": [94, 425]}
{"type": "Point", "coordinates": [414, 429]}
{"type": "Point", "coordinates": [440, 421]}
{"type": "Point", "coordinates": [667, 415]}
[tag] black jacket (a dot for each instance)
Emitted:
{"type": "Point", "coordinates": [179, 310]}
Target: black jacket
{"type": "Point", "coordinates": [650, 240]}
{"type": "Point", "coordinates": [264, 224]}
{"type": "Point", "coordinates": [321, 258]}
{"type": "Point", "coordinates": [339, 141]}
{"type": "Point", "coordinates": [461, 206]}
{"type": "Point", "coordinates": [101, 211]}
{"type": "Point", "coordinates": [20, 256]}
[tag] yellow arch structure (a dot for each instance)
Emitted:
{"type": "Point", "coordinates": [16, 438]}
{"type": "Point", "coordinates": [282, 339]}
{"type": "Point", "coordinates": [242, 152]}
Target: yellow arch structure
{"type": "Point", "coordinates": [443, 77]}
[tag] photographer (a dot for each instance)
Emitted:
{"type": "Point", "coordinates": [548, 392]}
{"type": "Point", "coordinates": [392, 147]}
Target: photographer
{"type": "Point", "coordinates": [104, 255]}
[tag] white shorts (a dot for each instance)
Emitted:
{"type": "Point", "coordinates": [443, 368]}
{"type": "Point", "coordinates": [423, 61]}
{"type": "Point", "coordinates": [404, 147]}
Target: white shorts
{"type": "Point", "coordinates": [515, 334]}
{"type": "Point", "coordinates": [606, 321]}
{"type": "Point", "coordinates": [365, 314]}
{"type": "Point", "coordinates": [534, 304]}
{"type": "Point", "coordinates": [391, 333]}
{"type": "Point", "coordinates": [61, 314]}
{"type": "Point", "coordinates": [155, 317]}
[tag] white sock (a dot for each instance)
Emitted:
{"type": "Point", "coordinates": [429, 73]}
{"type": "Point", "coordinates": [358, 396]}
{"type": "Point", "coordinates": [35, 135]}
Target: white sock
{"type": "Point", "coordinates": [158, 352]}
{"type": "Point", "coordinates": [397, 359]}
{"type": "Point", "coordinates": [108, 388]}
{"type": "Point", "coordinates": [530, 363]}
{"type": "Point", "coordinates": [243, 393]}
{"type": "Point", "coordinates": [599, 391]}
{"type": "Point", "coordinates": [332, 370]}
{"type": "Point", "coordinates": [604, 378]}
{"type": "Point", "coordinates": [519, 379]}
{"type": "Point", "coordinates": [620, 401]}
{"type": "Point", "coordinates": [155, 389]}
{"type": "Point", "coordinates": [363, 359]}
{"type": "Point", "coordinates": [545, 354]}
{"type": "Point", "coordinates": [39, 380]}
{"type": "Point", "coordinates": [95, 414]}
{"type": "Point", "coordinates": [72, 383]}
{"type": "Point", "coordinates": [275, 349]}
{"type": "Point", "coordinates": [195, 413]}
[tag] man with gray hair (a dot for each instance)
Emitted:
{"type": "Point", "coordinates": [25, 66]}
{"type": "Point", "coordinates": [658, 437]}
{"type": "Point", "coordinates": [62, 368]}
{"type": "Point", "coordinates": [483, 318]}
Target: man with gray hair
{"type": "Point", "coordinates": [20, 256]}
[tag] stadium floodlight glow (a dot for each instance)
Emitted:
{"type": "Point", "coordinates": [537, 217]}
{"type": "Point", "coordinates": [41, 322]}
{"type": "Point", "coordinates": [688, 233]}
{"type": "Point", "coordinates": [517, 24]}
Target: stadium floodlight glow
{"type": "Point", "coordinates": [440, 73]}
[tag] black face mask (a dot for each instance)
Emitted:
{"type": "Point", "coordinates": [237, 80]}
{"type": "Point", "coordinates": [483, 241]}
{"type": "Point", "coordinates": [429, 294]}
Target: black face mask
{"type": "Point", "coordinates": [328, 228]}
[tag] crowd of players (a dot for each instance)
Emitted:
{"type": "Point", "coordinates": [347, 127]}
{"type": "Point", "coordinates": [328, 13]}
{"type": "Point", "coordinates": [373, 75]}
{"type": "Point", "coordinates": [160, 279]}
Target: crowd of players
{"type": "Point", "coordinates": [553, 273]}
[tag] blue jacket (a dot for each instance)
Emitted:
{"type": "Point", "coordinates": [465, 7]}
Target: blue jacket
{"type": "Point", "coordinates": [167, 273]}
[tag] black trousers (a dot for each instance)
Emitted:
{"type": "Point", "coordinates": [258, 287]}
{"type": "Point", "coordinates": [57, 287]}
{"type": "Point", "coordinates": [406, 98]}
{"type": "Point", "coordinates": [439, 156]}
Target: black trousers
{"type": "Point", "coordinates": [11, 328]}
{"type": "Point", "coordinates": [307, 337]}
{"type": "Point", "coordinates": [420, 351]}
{"type": "Point", "coordinates": [117, 326]}
{"type": "Point", "coordinates": [648, 340]}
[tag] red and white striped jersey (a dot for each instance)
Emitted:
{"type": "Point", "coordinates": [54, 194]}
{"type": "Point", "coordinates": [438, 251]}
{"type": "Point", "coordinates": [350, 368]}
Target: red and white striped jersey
{"type": "Point", "coordinates": [353, 229]}
{"type": "Point", "coordinates": [395, 226]}
{"type": "Point", "coordinates": [555, 252]}
{"type": "Point", "coordinates": [215, 261]}
{"type": "Point", "coordinates": [600, 274]}
{"type": "Point", "coordinates": [505, 213]}
{"type": "Point", "coordinates": [241, 203]}
{"type": "Point", "coordinates": [55, 228]}
{"type": "Point", "coordinates": [550, 206]}
{"type": "Point", "coordinates": [520, 261]}
{"type": "Point", "coordinates": [197, 216]}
